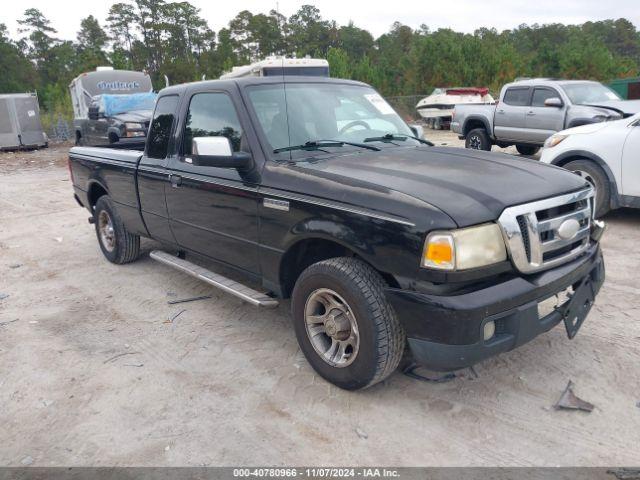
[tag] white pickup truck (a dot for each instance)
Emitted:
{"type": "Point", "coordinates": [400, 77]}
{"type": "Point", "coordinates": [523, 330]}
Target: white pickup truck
{"type": "Point", "coordinates": [530, 111]}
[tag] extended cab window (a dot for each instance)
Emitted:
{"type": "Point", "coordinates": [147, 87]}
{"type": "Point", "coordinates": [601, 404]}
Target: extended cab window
{"type": "Point", "coordinates": [211, 115]}
{"type": "Point", "coordinates": [542, 94]}
{"type": "Point", "coordinates": [160, 130]}
{"type": "Point", "coordinates": [517, 97]}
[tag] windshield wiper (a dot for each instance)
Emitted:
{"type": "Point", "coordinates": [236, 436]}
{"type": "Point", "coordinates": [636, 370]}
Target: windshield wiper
{"type": "Point", "coordinates": [390, 137]}
{"type": "Point", "coordinates": [320, 144]}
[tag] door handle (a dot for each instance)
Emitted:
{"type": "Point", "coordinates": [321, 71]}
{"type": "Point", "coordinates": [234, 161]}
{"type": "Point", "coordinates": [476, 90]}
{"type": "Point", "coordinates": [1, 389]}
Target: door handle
{"type": "Point", "coordinates": [176, 180]}
{"type": "Point", "coordinates": [530, 114]}
{"type": "Point", "coordinates": [501, 112]}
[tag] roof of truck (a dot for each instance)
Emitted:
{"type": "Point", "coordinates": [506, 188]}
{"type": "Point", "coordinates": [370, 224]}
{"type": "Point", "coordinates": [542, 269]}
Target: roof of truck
{"type": "Point", "coordinates": [545, 81]}
{"type": "Point", "coordinates": [244, 81]}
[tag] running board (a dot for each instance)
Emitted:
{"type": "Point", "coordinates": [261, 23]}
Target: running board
{"type": "Point", "coordinates": [223, 283]}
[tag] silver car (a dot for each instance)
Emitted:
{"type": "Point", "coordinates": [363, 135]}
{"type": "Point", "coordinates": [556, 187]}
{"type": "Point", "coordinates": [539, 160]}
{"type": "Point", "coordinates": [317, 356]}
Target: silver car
{"type": "Point", "coordinates": [530, 111]}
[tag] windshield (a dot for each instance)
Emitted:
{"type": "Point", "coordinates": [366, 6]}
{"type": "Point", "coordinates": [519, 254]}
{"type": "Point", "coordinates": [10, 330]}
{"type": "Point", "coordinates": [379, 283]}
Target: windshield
{"type": "Point", "coordinates": [586, 93]}
{"type": "Point", "coordinates": [294, 114]}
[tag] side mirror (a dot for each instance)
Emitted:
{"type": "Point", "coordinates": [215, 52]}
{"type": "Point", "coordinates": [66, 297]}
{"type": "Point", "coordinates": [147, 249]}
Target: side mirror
{"type": "Point", "coordinates": [217, 152]}
{"type": "Point", "coordinates": [417, 130]}
{"type": "Point", "coordinates": [94, 112]}
{"type": "Point", "coordinates": [553, 102]}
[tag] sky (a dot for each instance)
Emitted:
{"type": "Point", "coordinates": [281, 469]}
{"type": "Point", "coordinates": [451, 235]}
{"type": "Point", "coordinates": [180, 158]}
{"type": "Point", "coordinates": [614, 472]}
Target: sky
{"type": "Point", "coordinates": [375, 16]}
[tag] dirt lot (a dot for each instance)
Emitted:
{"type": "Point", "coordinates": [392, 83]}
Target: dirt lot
{"type": "Point", "coordinates": [92, 372]}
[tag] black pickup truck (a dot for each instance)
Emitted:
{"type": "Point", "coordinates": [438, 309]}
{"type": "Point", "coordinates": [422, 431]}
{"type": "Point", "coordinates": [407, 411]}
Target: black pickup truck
{"type": "Point", "coordinates": [316, 190]}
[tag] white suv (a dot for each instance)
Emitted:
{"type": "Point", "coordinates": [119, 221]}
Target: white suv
{"type": "Point", "coordinates": [607, 154]}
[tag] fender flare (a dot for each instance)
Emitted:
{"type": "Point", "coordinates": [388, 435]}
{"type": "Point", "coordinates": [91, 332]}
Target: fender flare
{"type": "Point", "coordinates": [90, 185]}
{"type": "Point", "coordinates": [479, 118]}
{"type": "Point", "coordinates": [566, 157]}
{"type": "Point", "coordinates": [115, 130]}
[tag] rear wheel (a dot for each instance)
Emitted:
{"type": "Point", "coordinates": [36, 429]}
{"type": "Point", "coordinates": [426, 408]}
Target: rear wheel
{"type": "Point", "coordinates": [344, 325]}
{"type": "Point", "coordinates": [592, 173]}
{"type": "Point", "coordinates": [117, 244]}
{"type": "Point", "coordinates": [527, 149]}
{"type": "Point", "coordinates": [478, 139]}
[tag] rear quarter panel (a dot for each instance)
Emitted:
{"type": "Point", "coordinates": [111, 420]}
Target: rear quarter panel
{"type": "Point", "coordinates": [114, 171]}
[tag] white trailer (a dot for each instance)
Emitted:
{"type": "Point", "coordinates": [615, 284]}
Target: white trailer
{"type": "Point", "coordinates": [272, 66]}
{"type": "Point", "coordinates": [105, 80]}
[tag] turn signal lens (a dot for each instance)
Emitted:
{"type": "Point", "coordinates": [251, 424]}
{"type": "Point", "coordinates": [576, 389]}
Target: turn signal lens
{"type": "Point", "coordinates": [466, 248]}
{"type": "Point", "coordinates": [439, 252]}
{"type": "Point", "coordinates": [554, 140]}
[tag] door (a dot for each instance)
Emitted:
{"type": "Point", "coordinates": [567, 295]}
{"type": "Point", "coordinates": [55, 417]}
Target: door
{"type": "Point", "coordinates": [631, 162]}
{"type": "Point", "coordinates": [212, 210]}
{"type": "Point", "coordinates": [28, 117]}
{"type": "Point", "coordinates": [541, 121]}
{"type": "Point", "coordinates": [152, 174]}
{"type": "Point", "coordinates": [508, 122]}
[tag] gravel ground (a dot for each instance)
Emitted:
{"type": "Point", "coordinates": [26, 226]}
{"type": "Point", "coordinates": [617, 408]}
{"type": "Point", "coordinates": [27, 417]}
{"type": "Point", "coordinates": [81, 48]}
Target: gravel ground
{"type": "Point", "coordinates": [94, 372]}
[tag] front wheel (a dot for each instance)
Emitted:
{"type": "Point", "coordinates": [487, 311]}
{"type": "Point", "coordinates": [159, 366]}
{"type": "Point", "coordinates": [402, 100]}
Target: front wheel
{"type": "Point", "coordinates": [478, 139]}
{"type": "Point", "coordinates": [593, 174]}
{"type": "Point", "coordinates": [117, 244]}
{"type": "Point", "coordinates": [527, 149]}
{"type": "Point", "coordinates": [345, 326]}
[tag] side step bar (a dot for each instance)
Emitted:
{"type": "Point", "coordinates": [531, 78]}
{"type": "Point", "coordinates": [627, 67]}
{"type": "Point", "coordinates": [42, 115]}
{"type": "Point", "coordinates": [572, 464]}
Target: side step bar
{"type": "Point", "coordinates": [223, 283]}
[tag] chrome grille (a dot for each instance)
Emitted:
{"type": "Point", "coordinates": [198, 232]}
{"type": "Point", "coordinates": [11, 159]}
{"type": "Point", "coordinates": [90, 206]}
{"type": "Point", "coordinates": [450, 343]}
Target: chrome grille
{"type": "Point", "coordinates": [548, 232]}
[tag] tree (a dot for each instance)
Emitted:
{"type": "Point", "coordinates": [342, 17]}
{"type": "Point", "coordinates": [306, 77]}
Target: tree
{"type": "Point", "coordinates": [18, 73]}
{"type": "Point", "coordinates": [92, 41]}
{"type": "Point", "coordinates": [39, 32]}
{"type": "Point", "coordinates": [121, 24]}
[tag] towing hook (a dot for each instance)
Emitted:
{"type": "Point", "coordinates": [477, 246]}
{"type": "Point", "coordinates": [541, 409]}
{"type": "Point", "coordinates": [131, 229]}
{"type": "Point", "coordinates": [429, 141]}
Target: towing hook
{"type": "Point", "coordinates": [91, 220]}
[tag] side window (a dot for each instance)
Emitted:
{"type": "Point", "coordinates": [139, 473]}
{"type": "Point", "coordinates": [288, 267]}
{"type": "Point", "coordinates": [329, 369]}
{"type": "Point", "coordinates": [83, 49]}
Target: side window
{"type": "Point", "coordinates": [211, 115]}
{"type": "Point", "coordinates": [542, 94]}
{"type": "Point", "coordinates": [518, 97]}
{"type": "Point", "coordinates": [160, 130]}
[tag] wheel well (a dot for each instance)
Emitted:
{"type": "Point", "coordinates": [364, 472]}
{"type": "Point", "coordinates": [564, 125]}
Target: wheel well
{"type": "Point", "coordinates": [472, 125]}
{"type": "Point", "coordinates": [614, 201]}
{"type": "Point", "coordinates": [307, 252]}
{"type": "Point", "coordinates": [95, 192]}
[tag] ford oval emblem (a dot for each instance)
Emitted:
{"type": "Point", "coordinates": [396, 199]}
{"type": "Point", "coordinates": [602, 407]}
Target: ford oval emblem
{"type": "Point", "coordinates": [568, 229]}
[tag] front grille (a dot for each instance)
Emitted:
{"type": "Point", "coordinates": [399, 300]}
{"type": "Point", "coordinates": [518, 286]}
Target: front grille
{"type": "Point", "coordinates": [543, 234]}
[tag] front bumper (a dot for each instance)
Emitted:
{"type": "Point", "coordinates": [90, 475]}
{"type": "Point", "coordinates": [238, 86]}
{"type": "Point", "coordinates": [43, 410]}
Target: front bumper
{"type": "Point", "coordinates": [445, 332]}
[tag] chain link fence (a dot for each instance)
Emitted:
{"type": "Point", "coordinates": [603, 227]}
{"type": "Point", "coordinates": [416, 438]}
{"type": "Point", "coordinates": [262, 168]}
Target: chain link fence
{"type": "Point", "coordinates": [58, 127]}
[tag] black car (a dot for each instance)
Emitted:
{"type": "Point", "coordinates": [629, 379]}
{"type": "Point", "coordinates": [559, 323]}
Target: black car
{"type": "Point", "coordinates": [318, 191]}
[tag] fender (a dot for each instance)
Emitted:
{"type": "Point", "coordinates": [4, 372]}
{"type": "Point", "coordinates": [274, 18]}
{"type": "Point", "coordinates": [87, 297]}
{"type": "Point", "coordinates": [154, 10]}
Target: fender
{"type": "Point", "coordinates": [115, 130]}
{"type": "Point", "coordinates": [566, 157]}
{"type": "Point", "coordinates": [485, 122]}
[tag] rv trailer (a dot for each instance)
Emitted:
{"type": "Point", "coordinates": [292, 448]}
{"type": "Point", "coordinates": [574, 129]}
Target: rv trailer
{"type": "Point", "coordinates": [278, 66]}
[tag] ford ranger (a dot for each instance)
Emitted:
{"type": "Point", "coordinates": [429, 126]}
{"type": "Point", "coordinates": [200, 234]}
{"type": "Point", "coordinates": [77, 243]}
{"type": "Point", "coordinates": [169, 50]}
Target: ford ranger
{"type": "Point", "coordinates": [530, 111]}
{"type": "Point", "coordinates": [314, 189]}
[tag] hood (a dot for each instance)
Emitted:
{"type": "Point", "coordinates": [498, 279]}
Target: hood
{"type": "Point", "coordinates": [138, 116]}
{"type": "Point", "coordinates": [470, 186]}
{"type": "Point", "coordinates": [625, 107]}
{"type": "Point", "coordinates": [588, 128]}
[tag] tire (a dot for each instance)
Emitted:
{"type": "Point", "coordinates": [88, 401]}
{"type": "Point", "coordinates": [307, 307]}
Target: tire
{"type": "Point", "coordinates": [527, 149]}
{"type": "Point", "coordinates": [117, 244]}
{"type": "Point", "coordinates": [113, 138]}
{"type": "Point", "coordinates": [79, 139]}
{"type": "Point", "coordinates": [477, 139]}
{"type": "Point", "coordinates": [594, 174]}
{"type": "Point", "coordinates": [380, 337]}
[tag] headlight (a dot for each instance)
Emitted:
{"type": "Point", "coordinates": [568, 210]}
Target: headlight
{"type": "Point", "coordinates": [464, 248]}
{"type": "Point", "coordinates": [133, 126]}
{"type": "Point", "coordinates": [554, 140]}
